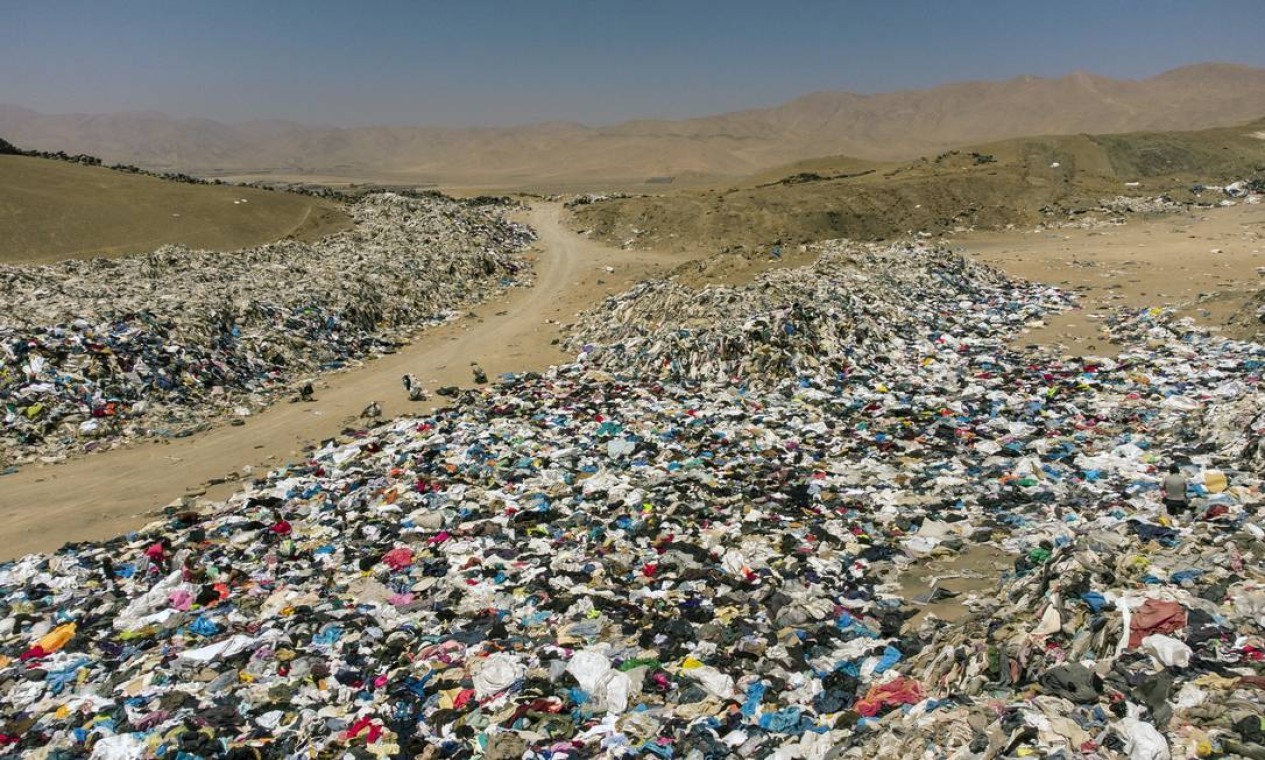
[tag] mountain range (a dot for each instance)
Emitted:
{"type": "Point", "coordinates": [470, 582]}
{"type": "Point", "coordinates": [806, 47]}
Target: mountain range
{"type": "Point", "coordinates": [886, 126]}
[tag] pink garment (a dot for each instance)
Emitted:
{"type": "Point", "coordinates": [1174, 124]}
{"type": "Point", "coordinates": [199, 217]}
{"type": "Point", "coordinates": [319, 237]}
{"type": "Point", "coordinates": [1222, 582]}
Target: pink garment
{"type": "Point", "coordinates": [181, 599]}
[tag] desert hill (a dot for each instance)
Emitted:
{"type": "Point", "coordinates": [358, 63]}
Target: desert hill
{"type": "Point", "coordinates": [887, 126]}
{"type": "Point", "coordinates": [53, 210]}
{"type": "Point", "coordinates": [987, 186]}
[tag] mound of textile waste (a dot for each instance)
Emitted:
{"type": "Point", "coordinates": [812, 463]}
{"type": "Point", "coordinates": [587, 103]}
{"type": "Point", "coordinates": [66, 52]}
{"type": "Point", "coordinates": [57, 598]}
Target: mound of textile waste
{"type": "Point", "coordinates": [857, 304]}
{"type": "Point", "coordinates": [100, 351]}
{"type": "Point", "coordinates": [578, 565]}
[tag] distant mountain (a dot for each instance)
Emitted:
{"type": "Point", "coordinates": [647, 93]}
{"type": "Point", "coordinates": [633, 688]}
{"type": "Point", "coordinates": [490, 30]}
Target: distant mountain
{"type": "Point", "coordinates": [888, 126]}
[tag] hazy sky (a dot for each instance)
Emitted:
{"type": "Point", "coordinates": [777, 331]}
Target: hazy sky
{"type": "Point", "coordinates": [475, 62]}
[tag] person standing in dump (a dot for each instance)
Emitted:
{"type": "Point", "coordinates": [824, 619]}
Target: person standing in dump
{"type": "Point", "coordinates": [777, 250]}
{"type": "Point", "coordinates": [1173, 489]}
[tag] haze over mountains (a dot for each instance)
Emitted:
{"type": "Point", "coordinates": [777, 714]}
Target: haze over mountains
{"type": "Point", "coordinates": [885, 126]}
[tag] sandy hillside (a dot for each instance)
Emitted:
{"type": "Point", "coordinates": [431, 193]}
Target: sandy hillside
{"type": "Point", "coordinates": [1024, 181]}
{"type": "Point", "coordinates": [53, 210]}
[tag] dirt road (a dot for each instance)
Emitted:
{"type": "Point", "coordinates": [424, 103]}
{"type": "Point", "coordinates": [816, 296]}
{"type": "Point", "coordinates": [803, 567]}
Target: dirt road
{"type": "Point", "coordinates": [106, 494]}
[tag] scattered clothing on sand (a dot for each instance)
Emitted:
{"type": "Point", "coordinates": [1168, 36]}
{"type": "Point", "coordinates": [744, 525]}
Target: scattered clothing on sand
{"type": "Point", "coordinates": [690, 542]}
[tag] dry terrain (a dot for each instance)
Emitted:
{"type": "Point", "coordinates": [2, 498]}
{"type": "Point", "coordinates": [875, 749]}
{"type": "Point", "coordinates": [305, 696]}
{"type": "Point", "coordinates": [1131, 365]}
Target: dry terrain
{"type": "Point", "coordinates": [883, 126]}
{"type": "Point", "coordinates": [1024, 181]}
{"type": "Point", "coordinates": [52, 210]}
{"type": "Point", "coordinates": [1207, 264]}
{"type": "Point", "coordinates": [1204, 262]}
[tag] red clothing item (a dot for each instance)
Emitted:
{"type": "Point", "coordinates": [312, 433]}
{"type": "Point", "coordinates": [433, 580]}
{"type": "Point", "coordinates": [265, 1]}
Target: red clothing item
{"type": "Point", "coordinates": [399, 558]}
{"type": "Point", "coordinates": [34, 653]}
{"type": "Point", "coordinates": [1155, 616]}
{"type": "Point", "coordinates": [361, 725]}
{"type": "Point", "coordinates": [898, 691]}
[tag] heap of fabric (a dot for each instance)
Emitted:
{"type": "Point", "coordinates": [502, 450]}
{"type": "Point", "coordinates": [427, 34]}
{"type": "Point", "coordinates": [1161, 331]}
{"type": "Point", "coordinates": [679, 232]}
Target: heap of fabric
{"type": "Point", "coordinates": [576, 564]}
{"type": "Point", "coordinates": [95, 352]}
{"type": "Point", "coordinates": [856, 303]}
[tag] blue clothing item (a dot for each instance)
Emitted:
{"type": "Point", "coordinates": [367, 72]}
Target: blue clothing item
{"type": "Point", "coordinates": [1095, 600]}
{"type": "Point", "coordinates": [328, 637]}
{"type": "Point", "coordinates": [781, 721]}
{"type": "Point", "coordinates": [417, 686]}
{"type": "Point", "coordinates": [204, 626]}
{"type": "Point", "coordinates": [891, 656]}
{"type": "Point", "coordinates": [1182, 576]}
{"type": "Point", "coordinates": [855, 627]}
{"type": "Point", "coordinates": [63, 677]}
{"type": "Point", "coordinates": [755, 694]}
{"type": "Point", "coordinates": [536, 618]}
{"type": "Point", "coordinates": [790, 720]}
{"type": "Point", "coordinates": [849, 668]}
{"type": "Point", "coordinates": [1158, 533]}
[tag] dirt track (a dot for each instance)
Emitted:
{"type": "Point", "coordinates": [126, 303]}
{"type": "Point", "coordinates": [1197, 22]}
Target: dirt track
{"type": "Point", "coordinates": [110, 493]}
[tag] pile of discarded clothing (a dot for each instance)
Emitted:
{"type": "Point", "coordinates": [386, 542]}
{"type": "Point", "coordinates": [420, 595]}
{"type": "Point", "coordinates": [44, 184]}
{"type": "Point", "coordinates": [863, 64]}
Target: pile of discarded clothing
{"type": "Point", "coordinates": [576, 565]}
{"type": "Point", "coordinates": [856, 302]}
{"type": "Point", "coordinates": [99, 351]}
{"type": "Point", "coordinates": [1114, 638]}
{"type": "Point", "coordinates": [1125, 204]}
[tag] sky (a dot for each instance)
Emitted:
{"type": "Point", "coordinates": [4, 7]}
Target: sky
{"type": "Point", "coordinates": [477, 62]}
